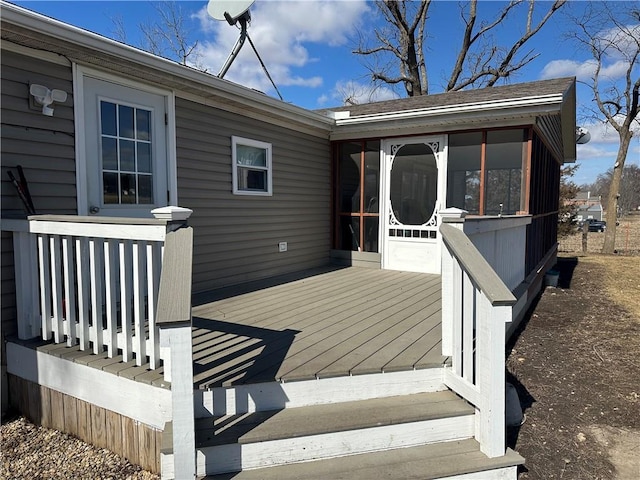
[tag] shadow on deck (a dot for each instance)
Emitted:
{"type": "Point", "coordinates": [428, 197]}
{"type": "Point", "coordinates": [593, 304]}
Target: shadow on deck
{"type": "Point", "coordinates": [317, 324]}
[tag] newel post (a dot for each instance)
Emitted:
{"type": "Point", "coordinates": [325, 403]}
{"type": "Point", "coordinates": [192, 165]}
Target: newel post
{"type": "Point", "coordinates": [174, 322]}
{"type": "Point", "coordinates": [25, 263]}
{"type": "Point", "coordinates": [451, 282]}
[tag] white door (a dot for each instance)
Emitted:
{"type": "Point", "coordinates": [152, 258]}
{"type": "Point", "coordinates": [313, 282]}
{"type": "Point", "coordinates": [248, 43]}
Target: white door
{"type": "Point", "coordinates": [414, 189]}
{"type": "Point", "coordinates": [125, 149]}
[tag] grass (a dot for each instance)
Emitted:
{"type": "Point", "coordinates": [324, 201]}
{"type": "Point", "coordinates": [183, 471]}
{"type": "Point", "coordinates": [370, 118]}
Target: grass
{"type": "Point", "coordinates": [621, 279]}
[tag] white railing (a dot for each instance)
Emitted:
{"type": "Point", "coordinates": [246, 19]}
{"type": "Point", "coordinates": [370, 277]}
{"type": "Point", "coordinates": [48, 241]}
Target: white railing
{"type": "Point", "coordinates": [502, 242]}
{"type": "Point", "coordinates": [476, 305]}
{"type": "Point", "coordinates": [92, 282]}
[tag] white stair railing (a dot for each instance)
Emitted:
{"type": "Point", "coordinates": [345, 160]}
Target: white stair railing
{"type": "Point", "coordinates": [476, 306]}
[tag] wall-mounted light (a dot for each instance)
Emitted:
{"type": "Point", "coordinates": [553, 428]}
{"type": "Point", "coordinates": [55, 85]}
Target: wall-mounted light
{"type": "Point", "coordinates": [46, 97]}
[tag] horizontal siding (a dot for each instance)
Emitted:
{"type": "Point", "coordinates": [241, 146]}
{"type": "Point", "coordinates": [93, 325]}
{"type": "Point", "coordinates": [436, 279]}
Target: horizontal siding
{"type": "Point", "coordinates": [236, 237]}
{"type": "Point", "coordinates": [42, 145]}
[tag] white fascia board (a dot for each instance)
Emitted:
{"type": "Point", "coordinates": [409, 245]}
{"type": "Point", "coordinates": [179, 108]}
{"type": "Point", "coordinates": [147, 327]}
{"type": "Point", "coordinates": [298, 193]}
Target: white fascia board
{"type": "Point", "coordinates": [20, 17]}
{"type": "Point", "coordinates": [442, 123]}
{"type": "Point", "coordinates": [545, 103]}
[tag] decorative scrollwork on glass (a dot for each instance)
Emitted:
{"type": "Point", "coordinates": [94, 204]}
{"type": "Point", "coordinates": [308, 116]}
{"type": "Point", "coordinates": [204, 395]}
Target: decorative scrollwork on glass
{"type": "Point", "coordinates": [433, 221]}
{"type": "Point", "coordinates": [395, 148]}
{"type": "Point", "coordinates": [392, 219]}
{"type": "Point", "coordinates": [435, 146]}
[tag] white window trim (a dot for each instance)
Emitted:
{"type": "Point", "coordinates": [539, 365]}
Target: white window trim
{"type": "Point", "coordinates": [79, 72]}
{"type": "Point", "coordinates": [251, 143]}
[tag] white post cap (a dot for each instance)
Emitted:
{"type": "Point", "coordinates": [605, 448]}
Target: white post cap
{"type": "Point", "coordinates": [172, 213]}
{"type": "Point", "coordinates": [452, 213]}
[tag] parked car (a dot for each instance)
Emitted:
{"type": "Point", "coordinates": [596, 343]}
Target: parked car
{"type": "Point", "coordinates": [594, 225]}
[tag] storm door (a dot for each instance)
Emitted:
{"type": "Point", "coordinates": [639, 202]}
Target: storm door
{"type": "Point", "coordinates": [414, 188]}
{"type": "Point", "coordinates": [125, 149]}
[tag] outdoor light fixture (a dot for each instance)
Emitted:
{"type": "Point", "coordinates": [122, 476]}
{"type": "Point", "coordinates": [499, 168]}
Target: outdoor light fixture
{"type": "Point", "coordinates": [46, 97]}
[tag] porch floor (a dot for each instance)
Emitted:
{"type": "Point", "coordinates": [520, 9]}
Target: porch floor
{"type": "Point", "coordinates": [323, 323]}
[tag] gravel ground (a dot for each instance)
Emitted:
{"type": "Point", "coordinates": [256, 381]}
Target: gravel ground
{"type": "Point", "coordinates": [31, 452]}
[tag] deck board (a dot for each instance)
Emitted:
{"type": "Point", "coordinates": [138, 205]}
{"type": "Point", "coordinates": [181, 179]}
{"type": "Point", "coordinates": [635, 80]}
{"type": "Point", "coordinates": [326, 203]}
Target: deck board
{"type": "Point", "coordinates": [332, 323]}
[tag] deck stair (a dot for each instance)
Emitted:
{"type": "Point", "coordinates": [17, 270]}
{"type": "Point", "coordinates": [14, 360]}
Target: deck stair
{"type": "Point", "coordinates": [421, 434]}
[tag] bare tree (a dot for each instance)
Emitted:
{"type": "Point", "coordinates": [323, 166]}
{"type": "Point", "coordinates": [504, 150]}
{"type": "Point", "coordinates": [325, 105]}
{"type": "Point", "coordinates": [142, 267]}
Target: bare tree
{"type": "Point", "coordinates": [480, 62]}
{"type": "Point", "coordinates": [611, 33]}
{"type": "Point", "coordinates": [169, 36]}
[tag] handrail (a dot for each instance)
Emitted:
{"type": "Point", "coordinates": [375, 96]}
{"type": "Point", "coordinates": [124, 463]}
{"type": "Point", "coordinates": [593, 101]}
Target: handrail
{"type": "Point", "coordinates": [174, 294]}
{"type": "Point", "coordinates": [476, 266]}
{"type": "Point", "coordinates": [476, 304]}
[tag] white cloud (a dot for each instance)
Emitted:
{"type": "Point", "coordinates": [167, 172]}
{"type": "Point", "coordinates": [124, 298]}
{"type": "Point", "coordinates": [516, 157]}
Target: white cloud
{"type": "Point", "coordinates": [620, 42]}
{"type": "Point", "coordinates": [583, 70]}
{"type": "Point", "coordinates": [593, 150]}
{"type": "Point", "coordinates": [282, 32]}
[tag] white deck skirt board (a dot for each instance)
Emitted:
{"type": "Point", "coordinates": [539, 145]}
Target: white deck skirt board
{"type": "Point", "coordinates": [274, 395]}
{"type": "Point", "coordinates": [144, 403]}
{"type": "Point", "coordinates": [235, 457]}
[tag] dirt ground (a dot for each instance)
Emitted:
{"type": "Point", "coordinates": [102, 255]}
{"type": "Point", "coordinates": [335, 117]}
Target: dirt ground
{"type": "Point", "coordinates": [576, 366]}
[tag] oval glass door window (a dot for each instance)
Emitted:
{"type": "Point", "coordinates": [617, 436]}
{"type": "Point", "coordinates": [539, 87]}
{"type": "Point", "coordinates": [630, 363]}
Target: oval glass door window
{"type": "Point", "coordinates": [414, 184]}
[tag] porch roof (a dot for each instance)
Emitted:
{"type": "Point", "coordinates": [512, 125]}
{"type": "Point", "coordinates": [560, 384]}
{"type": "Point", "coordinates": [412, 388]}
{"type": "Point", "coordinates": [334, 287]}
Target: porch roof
{"type": "Point", "coordinates": [548, 104]}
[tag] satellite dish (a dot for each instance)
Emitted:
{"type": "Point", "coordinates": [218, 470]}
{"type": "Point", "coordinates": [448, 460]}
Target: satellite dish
{"type": "Point", "coordinates": [582, 135]}
{"type": "Point", "coordinates": [229, 10]}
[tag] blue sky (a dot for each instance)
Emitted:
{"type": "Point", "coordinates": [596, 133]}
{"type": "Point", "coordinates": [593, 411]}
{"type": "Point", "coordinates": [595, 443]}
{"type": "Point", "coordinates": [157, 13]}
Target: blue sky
{"type": "Point", "coordinates": [306, 46]}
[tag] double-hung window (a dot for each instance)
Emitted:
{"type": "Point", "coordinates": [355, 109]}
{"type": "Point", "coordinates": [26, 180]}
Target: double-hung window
{"type": "Point", "coordinates": [251, 167]}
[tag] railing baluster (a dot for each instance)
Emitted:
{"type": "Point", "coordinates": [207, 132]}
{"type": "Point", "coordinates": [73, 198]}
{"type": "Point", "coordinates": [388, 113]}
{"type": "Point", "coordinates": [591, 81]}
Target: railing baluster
{"type": "Point", "coordinates": [468, 327]}
{"type": "Point", "coordinates": [45, 285]}
{"type": "Point", "coordinates": [82, 276]}
{"type": "Point", "coordinates": [125, 299]}
{"type": "Point", "coordinates": [138, 302]}
{"type": "Point", "coordinates": [110, 275]}
{"type": "Point", "coordinates": [96, 293]}
{"type": "Point", "coordinates": [56, 288]}
{"type": "Point", "coordinates": [69, 289]}
{"type": "Point", "coordinates": [153, 282]}
{"type": "Point", "coordinates": [457, 318]}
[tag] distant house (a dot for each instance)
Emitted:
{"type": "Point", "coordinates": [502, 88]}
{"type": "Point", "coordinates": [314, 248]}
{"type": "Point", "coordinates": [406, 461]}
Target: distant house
{"type": "Point", "coordinates": [588, 206]}
{"type": "Point", "coordinates": [355, 271]}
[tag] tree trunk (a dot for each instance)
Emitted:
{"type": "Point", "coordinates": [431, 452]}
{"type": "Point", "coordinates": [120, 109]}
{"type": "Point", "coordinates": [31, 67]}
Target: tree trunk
{"type": "Point", "coordinates": [614, 192]}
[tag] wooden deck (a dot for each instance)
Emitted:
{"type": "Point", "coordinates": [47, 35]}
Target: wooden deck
{"type": "Point", "coordinates": [323, 323]}
{"type": "Point", "coordinates": [316, 324]}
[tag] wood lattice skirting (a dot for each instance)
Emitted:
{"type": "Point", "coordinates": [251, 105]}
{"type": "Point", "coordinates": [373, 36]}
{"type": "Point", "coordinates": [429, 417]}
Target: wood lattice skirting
{"type": "Point", "coordinates": [135, 441]}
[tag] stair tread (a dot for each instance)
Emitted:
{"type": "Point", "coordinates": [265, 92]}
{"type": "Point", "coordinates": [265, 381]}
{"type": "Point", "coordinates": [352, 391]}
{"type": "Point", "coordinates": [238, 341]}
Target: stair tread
{"type": "Point", "coordinates": [412, 463]}
{"type": "Point", "coordinates": [330, 418]}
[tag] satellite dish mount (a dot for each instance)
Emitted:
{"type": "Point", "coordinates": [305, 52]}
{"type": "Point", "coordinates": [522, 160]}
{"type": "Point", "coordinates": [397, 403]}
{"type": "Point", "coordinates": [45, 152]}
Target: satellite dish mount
{"type": "Point", "coordinates": [244, 20]}
{"type": "Point", "coordinates": [234, 12]}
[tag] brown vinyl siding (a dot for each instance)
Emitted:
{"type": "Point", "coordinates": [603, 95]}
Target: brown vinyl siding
{"type": "Point", "coordinates": [42, 145]}
{"type": "Point", "coordinates": [236, 236]}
